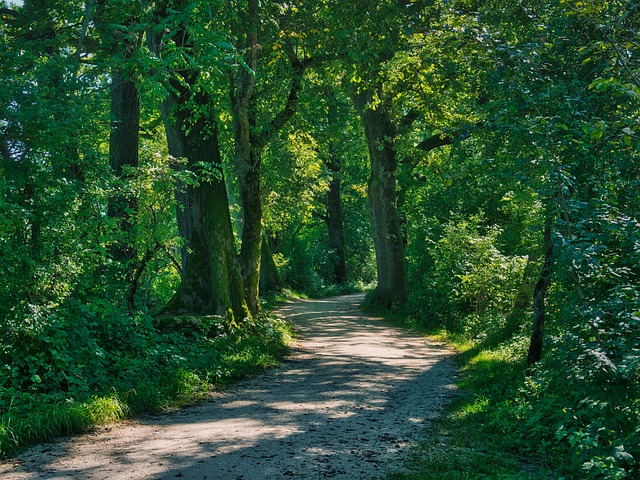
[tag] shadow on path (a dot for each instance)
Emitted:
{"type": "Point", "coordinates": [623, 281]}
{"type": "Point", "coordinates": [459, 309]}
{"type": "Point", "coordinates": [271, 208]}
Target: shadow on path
{"type": "Point", "coordinates": [344, 405]}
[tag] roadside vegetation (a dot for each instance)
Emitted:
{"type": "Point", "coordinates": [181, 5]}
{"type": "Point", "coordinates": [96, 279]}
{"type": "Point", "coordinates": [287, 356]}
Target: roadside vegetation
{"type": "Point", "coordinates": [487, 432]}
{"type": "Point", "coordinates": [88, 373]}
{"type": "Point", "coordinates": [166, 165]}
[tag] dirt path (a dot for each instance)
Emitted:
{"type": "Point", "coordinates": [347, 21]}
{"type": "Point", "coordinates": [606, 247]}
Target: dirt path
{"type": "Point", "coordinates": [344, 405]}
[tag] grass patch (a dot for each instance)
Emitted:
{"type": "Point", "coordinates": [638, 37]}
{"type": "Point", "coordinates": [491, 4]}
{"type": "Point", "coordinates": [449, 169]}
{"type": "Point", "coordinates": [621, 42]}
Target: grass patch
{"type": "Point", "coordinates": [167, 371]}
{"type": "Point", "coordinates": [482, 435]}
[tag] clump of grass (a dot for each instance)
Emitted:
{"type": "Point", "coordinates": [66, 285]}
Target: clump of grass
{"type": "Point", "coordinates": [480, 436]}
{"type": "Point", "coordinates": [64, 418]}
{"type": "Point", "coordinates": [173, 369]}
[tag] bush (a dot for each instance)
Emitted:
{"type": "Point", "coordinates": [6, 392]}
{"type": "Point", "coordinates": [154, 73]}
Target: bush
{"type": "Point", "coordinates": [68, 370]}
{"type": "Point", "coordinates": [593, 364]}
{"type": "Point", "coordinates": [466, 284]}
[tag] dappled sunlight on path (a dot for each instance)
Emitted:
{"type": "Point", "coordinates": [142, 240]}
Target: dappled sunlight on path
{"type": "Point", "coordinates": [344, 405]}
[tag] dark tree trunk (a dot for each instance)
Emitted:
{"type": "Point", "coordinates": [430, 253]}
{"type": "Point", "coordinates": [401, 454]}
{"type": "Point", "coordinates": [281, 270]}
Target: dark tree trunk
{"type": "Point", "coordinates": [123, 152]}
{"type": "Point", "coordinates": [248, 163]}
{"type": "Point", "coordinates": [382, 199]}
{"type": "Point", "coordinates": [270, 279]}
{"type": "Point", "coordinates": [539, 297]}
{"type": "Point", "coordinates": [211, 282]}
{"type": "Point", "coordinates": [335, 223]}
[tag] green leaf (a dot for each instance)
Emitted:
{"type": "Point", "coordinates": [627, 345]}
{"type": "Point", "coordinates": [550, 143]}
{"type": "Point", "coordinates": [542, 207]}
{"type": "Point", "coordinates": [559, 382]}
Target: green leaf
{"type": "Point", "coordinates": [620, 454]}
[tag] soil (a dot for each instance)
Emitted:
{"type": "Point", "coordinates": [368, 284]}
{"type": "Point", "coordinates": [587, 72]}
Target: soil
{"type": "Point", "coordinates": [346, 404]}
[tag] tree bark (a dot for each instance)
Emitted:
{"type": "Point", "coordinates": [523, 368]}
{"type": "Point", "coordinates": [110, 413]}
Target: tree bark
{"type": "Point", "coordinates": [539, 297]}
{"type": "Point", "coordinates": [123, 152]}
{"type": "Point", "coordinates": [335, 224]}
{"type": "Point", "coordinates": [382, 199]}
{"type": "Point", "coordinates": [211, 283]}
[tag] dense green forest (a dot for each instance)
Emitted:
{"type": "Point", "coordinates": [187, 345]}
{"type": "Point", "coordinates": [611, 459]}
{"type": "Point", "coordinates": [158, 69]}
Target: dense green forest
{"type": "Point", "coordinates": [166, 166]}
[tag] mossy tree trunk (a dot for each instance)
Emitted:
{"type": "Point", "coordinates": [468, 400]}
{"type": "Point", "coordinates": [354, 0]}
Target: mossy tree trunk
{"type": "Point", "coordinates": [382, 200]}
{"type": "Point", "coordinates": [211, 283]}
{"type": "Point", "coordinates": [250, 142]}
{"type": "Point", "coordinates": [248, 160]}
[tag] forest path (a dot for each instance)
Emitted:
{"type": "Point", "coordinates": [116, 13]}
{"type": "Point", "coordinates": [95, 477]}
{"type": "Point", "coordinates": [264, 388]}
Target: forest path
{"type": "Point", "coordinates": [344, 405]}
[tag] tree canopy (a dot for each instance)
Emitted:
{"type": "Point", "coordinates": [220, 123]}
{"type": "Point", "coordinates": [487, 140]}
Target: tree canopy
{"type": "Point", "coordinates": [474, 162]}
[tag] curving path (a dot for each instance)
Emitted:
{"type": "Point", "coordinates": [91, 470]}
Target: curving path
{"type": "Point", "coordinates": [344, 405]}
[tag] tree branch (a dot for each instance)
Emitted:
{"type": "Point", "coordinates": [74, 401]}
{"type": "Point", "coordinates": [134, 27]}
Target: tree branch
{"type": "Point", "coordinates": [282, 117]}
{"type": "Point", "coordinates": [409, 119]}
{"type": "Point", "coordinates": [83, 33]}
{"type": "Point", "coordinates": [440, 139]}
{"type": "Point", "coordinates": [9, 11]}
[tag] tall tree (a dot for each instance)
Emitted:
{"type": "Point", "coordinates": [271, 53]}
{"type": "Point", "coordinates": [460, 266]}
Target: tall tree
{"type": "Point", "coordinates": [378, 32]}
{"type": "Point", "coordinates": [334, 217]}
{"type": "Point", "coordinates": [382, 201]}
{"type": "Point", "coordinates": [253, 128]}
{"type": "Point", "coordinates": [121, 29]}
{"type": "Point", "coordinates": [211, 282]}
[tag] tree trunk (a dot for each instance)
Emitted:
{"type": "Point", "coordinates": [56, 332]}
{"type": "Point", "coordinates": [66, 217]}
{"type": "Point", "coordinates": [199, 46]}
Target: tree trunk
{"type": "Point", "coordinates": [539, 297]}
{"type": "Point", "coordinates": [248, 163]}
{"type": "Point", "coordinates": [382, 198]}
{"type": "Point", "coordinates": [250, 252]}
{"type": "Point", "coordinates": [123, 152]}
{"type": "Point", "coordinates": [250, 141]}
{"type": "Point", "coordinates": [335, 224]}
{"type": "Point", "coordinates": [211, 283]}
{"type": "Point", "coordinates": [270, 279]}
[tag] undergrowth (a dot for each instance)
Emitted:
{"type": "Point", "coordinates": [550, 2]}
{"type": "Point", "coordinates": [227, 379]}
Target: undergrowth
{"type": "Point", "coordinates": [484, 433]}
{"type": "Point", "coordinates": [143, 370]}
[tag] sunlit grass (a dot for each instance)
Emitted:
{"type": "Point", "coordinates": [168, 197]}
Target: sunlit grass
{"type": "Point", "coordinates": [206, 365]}
{"type": "Point", "coordinates": [478, 437]}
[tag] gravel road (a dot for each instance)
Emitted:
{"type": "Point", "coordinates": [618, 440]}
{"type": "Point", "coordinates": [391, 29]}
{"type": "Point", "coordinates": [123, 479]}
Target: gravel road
{"type": "Point", "coordinates": [346, 405]}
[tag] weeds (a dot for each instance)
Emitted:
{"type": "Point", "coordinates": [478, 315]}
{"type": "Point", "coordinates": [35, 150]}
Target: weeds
{"type": "Point", "coordinates": [165, 370]}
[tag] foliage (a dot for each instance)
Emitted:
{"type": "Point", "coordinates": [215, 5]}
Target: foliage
{"type": "Point", "coordinates": [481, 283]}
{"type": "Point", "coordinates": [531, 108]}
{"type": "Point", "coordinates": [484, 433]}
{"type": "Point", "coordinates": [557, 138]}
{"type": "Point", "coordinates": [591, 371]}
{"type": "Point", "coordinates": [75, 369]}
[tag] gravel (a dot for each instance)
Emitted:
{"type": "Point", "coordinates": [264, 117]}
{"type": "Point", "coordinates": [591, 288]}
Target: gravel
{"type": "Point", "coordinates": [346, 404]}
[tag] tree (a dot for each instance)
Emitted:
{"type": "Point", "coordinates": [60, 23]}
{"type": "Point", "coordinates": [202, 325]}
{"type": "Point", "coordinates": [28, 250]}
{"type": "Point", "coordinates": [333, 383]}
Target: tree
{"type": "Point", "coordinates": [253, 128]}
{"type": "Point", "coordinates": [52, 166]}
{"type": "Point", "coordinates": [385, 23]}
{"type": "Point", "coordinates": [334, 217]}
{"type": "Point", "coordinates": [392, 287]}
{"type": "Point", "coordinates": [121, 32]}
{"type": "Point", "coordinates": [211, 283]}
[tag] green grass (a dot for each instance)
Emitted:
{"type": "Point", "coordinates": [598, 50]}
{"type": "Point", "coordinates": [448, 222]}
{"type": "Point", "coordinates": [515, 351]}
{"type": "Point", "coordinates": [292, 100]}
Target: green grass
{"type": "Point", "coordinates": [184, 368]}
{"type": "Point", "coordinates": [483, 433]}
